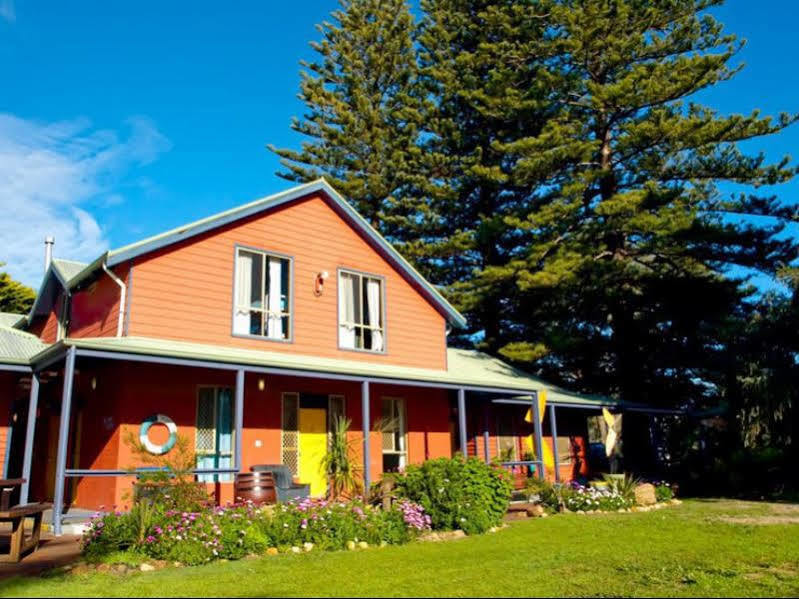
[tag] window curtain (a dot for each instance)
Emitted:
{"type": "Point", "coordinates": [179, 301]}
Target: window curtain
{"type": "Point", "coordinates": [274, 320]}
{"type": "Point", "coordinates": [241, 319]}
{"type": "Point", "coordinates": [224, 431]}
{"type": "Point", "coordinates": [346, 311]}
{"type": "Point", "coordinates": [373, 299]}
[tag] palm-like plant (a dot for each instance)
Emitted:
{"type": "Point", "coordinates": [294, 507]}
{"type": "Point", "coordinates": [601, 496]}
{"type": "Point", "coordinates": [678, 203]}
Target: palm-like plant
{"type": "Point", "coordinates": [338, 463]}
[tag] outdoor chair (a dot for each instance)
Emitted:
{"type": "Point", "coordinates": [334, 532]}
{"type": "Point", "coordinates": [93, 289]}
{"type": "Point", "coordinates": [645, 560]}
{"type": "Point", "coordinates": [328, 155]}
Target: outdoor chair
{"type": "Point", "coordinates": [285, 486]}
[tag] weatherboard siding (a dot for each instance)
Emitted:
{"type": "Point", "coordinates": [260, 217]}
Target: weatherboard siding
{"type": "Point", "coordinates": [185, 291]}
{"type": "Point", "coordinates": [95, 309]}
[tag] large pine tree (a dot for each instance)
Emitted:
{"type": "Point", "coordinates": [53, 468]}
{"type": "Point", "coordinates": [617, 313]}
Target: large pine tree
{"type": "Point", "coordinates": [362, 124]}
{"type": "Point", "coordinates": [480, 61]}
{"type": "Point", "coordinates": [639, 256]}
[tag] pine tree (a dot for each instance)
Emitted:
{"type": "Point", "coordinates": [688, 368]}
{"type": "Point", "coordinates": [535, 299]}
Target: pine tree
{"type": "Point", "coordinates": [363, 114]}
{"type": "Point", "coordinates": [641, 252]}
{"type": "Point", "coordinates": [480, 61]}
{"type": "Point", "coordinates": [14, 296]}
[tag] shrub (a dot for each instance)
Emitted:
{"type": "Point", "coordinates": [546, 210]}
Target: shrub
{"type": "Point", "coordinates": [663, 492]}
{"type": "Point", "coordinates": [543, 492]}
{"type": "Point", "coordinates": [109, 533]}
{"type": "Point", "coordinates": [458, 493]}
{"type": "Point", "coordinates": [623, 485]}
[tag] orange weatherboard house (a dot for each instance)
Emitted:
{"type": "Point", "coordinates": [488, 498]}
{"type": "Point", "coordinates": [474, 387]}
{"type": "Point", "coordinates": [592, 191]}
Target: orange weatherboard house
{"type": "Point", "coordinates": [249, 333]}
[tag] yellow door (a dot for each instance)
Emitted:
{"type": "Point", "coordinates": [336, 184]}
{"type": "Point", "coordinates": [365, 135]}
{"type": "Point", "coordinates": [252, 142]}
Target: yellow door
{"type": "Point", "coordinates": [313, 445]}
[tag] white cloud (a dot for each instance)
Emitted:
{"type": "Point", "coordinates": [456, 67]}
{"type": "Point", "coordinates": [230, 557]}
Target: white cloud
{"type": "Point", "coordinates": [7, 11]}
{"type": "Point", "coordinates": [49, 172]}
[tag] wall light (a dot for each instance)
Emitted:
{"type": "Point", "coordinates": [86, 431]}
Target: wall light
{"type": "Point", "coordinates": [261, 384]}
{"type": "Point", "coordinates": [94, 383]}
{"type": "Point", "coordinates": [319, 283]}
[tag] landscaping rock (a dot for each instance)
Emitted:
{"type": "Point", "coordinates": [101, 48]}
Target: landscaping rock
{"type": "Point", "coordinates": [363, 545]}
{"type": "Point", "coordinates": [104, 567]}
{"type": "Point", "coordinates": [307, 546]}
{"type": "Point", "coordinates": [145, 567]}
{"type": "Point", "coordinates": [159, 564]}
{"type": "Point", "coordinates": [351, 545]}
{"type": "Point", "coordinates": [645, 494]}
{"type": "Point", "coordinates": [121, 568]}
{"type": "Point", "coordinates": [82, 569]}
{"type": "Point", "coordinates": [177, 564]}
{"type": "Point", "coordinates": [295, 549]}
{"type": "Point", "coordinates": [272, 551]}
{"type": "Point", "coordinates": [535, 511]}
{"type": "Point", "coordinates": [457, 534]}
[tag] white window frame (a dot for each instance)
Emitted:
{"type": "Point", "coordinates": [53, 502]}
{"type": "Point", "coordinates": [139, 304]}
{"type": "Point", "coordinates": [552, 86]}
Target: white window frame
{"type": "Point", "coordinates": [402, 452]}
{"type": "Point", "coordinates": [264, 310]}
{"type": "Point", "coordinates": [362, 277]}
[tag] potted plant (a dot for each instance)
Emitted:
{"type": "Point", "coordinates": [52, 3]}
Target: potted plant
{"type": "Point", "coordinates": [338, 463]}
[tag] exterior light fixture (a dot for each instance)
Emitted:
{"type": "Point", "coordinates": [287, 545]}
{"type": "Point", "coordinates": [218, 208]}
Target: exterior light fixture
{"type": "Point", "coordinates": [94, 383]}
{"type": "Point", "coordinates": [319, 282]}
{"type": "Point", "coordinates": [261, 384]}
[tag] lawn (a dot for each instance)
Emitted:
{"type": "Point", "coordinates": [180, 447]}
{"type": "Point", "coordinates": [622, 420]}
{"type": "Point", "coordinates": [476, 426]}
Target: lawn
{"type": "Point", "coordinates": [700, 548]}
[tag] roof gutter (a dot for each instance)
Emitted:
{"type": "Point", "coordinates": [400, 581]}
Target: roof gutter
{"type": "Point", "coordinates": [123, 289]}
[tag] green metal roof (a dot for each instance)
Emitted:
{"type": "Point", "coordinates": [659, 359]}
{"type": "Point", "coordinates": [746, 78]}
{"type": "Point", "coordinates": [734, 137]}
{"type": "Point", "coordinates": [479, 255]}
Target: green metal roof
{"type": "Point", "coordinates": [9, 319]}
{"type": "Point", "coordinates": [468, 368]}
{"type": "Point", "coordinates": [18, 347]}
{"type": "Point", "coordinates": [68, 269]}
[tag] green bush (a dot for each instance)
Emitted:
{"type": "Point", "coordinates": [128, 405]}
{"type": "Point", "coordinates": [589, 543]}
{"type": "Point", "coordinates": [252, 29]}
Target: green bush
{"type": "Point", "coordinates": [663, 492]}
{"type": "Point", "coordinates": [543, 492]}
{"type": "Point", "coordinates": [458, 493]}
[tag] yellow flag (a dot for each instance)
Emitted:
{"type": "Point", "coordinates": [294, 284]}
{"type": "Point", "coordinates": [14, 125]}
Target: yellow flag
{"type": "Point", "coordinates": [546, 448]}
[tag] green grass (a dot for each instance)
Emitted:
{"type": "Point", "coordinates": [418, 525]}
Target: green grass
{"type": "Point", "coordinates": [687, 550]}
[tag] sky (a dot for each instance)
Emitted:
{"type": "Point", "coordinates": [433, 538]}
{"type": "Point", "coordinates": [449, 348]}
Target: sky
{"type": "Point", "coordinates": [119, 120]}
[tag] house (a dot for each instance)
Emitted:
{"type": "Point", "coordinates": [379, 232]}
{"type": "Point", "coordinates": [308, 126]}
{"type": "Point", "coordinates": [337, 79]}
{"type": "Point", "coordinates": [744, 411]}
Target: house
{"type": "Point", "coordinates": [248, 332]}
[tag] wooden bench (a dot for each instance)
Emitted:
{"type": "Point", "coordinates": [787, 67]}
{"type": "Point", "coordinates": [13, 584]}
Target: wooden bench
{"type": "Point", "coordinates": [20, 545]}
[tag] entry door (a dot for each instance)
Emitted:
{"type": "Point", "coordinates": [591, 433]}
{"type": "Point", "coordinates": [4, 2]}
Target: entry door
{"type": "Point", "coordinates": [313, 442]}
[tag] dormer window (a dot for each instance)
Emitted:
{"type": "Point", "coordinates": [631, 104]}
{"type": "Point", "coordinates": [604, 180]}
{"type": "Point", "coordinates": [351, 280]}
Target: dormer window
{"type": "Point", "coordinates": [361, 318]}
{"type": "Point", "coordinates": [262, 306]}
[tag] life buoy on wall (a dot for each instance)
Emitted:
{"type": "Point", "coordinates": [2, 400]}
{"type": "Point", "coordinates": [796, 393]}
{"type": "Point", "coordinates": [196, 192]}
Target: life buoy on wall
{"type": "Point", "coordinates": [144, 439]}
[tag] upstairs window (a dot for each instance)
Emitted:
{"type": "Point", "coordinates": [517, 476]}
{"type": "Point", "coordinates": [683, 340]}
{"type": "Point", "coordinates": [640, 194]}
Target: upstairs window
{"type": "Point", "coordinates": [361, 312]}
{"type": "Point", "coordinates": [262, 295]}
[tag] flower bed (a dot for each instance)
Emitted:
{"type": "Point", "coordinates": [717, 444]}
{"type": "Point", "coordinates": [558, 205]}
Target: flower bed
{"type": "Point", "coordinates": [234, 531]}
{"type": "Point", "coordinates": [588, 499]}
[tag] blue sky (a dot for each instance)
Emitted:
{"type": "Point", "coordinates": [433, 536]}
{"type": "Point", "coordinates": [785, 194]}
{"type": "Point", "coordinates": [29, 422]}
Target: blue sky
{"type": "Point", "coordinates": [122, 119]}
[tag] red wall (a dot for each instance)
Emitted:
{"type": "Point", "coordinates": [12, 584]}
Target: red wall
{"type": "Point", "coordinates": [95, 309]}
{"type": "Point", "coordinates": [127, 393]}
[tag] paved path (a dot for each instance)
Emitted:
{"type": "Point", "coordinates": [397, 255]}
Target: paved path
{"type": "Point", "coordinates": [52, 552]}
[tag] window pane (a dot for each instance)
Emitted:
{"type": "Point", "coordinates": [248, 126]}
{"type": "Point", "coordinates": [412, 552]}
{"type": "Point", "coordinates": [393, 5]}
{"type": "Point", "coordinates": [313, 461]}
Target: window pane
{"type": "Point", "coordinates": [257, 286]}
{"type": "Point", "coordinates": [356, 296]}
{"type": "Point", "coordinates": [255, 323]}
{"type": "Point", "coordinates": [284, 287]}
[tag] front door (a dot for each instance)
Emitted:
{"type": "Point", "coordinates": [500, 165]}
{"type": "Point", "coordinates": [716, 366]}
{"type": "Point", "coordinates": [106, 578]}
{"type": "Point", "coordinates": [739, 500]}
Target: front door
{"type": "Point", "coordinates": [313, 442]}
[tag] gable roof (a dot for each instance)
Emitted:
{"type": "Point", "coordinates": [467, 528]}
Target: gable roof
{"type": "Point", "coordinates": [60, 270]}
{"type": "Point", "coordinates": [355, 220]}
{"type": "Point", "coordinates": [18, 347]}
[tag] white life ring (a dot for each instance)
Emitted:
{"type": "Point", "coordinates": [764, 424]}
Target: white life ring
{"type": "Point", "coordinates": [144, 439]}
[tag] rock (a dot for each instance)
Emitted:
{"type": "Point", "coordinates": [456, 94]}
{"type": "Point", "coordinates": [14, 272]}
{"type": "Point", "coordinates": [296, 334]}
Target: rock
{"type": "Point", "coordinates": [159, 564]}
{"type": "Point", "coordinates": [493, 529]}
{"type": "Point", "coordinates": [145, 567]}
{"type": "Point", "coordinates": [295, 549]}
{"type": "Point", "coordinates": [544, 515]}
{"type": "Point", "coordinates": [363, 545]}
{"type": "Point", "coordinates": [307, 546]}
{"type": "Point", "coordinates": [272, 551]}
{"type": "Point", "coordinates": [104, 567]}
{"type": "Point", "coordinates": [645, 494]}
{"type": "Point", "coordinates": [433, 536]}
{"type": "Point", "coordinates": [121, 568]}
{"type": "Point", "coordinates": [384, 543]}
{"type": "Point", "coordinates": [81, 569]}
{"type": "Point", "coordinates": [535, 512]}
{"type": "Point", "coordinates": [177, 564]}
{"type": "Point", "coordinates": [580, 512]}
{"type": "Point", "coordinates": [350, 545]}
{"type": "Point", "coordinates": [457, 534]}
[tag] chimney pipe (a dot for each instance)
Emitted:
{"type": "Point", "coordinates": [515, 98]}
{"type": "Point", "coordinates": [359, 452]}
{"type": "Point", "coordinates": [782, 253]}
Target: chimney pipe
{"type": "Point", "coordinates": [49, 241]}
